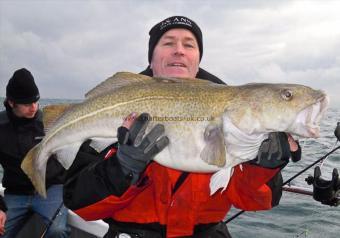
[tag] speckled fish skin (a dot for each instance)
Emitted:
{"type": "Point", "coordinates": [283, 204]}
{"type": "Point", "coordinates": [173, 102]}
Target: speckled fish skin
{"type": "Point", "coordinates": [194, 114]}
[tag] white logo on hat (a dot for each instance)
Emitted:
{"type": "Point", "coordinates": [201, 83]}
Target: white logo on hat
{"type": "Point", "coordinates": [175, 21]}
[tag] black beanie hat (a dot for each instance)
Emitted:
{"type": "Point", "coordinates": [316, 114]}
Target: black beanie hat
{"type": "Point", "coordinates": [160, 28]}
{"type": "Point", "coordinates": [21, 88]}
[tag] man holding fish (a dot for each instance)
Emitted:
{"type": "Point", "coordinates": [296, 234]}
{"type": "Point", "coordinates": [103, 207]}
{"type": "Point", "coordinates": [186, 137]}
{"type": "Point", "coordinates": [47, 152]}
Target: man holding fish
{"type": "Point", "coordinates": [138, 197]}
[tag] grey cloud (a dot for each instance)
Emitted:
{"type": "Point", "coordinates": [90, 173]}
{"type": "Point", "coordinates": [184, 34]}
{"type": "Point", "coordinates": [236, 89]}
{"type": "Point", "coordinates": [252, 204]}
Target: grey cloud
{"type": "Point", "coordinates": [71, 46]}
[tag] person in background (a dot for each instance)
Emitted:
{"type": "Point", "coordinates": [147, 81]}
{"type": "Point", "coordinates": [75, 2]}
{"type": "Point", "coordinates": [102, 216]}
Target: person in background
{"type": "Point", "coordinates": [141, 198]}
{"type": "Point", "coordinates": [21, 129]}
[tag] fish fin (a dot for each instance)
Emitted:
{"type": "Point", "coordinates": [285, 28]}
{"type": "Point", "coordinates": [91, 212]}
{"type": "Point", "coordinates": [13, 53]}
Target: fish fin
{"type": "Point", "coordinates": [214, 151]}
{"type": "Point", "coordinates": [118, 80]}
{"type": "Point", "coordinates": [99, 144]}
{"type": "Point", "coordinates": [27, 165]}
{"type": "Point", "coordinates": [52, 112]}
{"type": "Point", "coordinates": [220, 179]}
{"type": "Point", "coordinates": [122, 79]}
{"type": "Point", "coordinates": [67, 154]}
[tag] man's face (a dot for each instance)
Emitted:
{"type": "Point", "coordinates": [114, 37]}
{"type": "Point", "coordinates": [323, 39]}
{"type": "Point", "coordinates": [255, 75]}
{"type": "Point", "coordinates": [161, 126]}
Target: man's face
{"type": "Point", "coordinates": [24, 110]}
{"type": "Point", "coordinates": [176, 55]}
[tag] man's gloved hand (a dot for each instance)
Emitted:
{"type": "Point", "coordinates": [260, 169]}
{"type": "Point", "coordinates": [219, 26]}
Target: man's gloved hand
{"type": "Point", "coordinates": [274, 152]}
{"type": "Point", "coordinates": [135, 150]}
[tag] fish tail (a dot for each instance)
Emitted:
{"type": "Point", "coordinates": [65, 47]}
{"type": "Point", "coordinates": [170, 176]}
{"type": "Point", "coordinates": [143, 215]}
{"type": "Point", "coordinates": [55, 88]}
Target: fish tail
{"type": "Point", "coordinates": [27, 166]}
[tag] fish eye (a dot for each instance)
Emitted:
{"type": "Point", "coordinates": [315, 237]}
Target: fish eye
{"type": "Point", "coordinates": [287, 94]}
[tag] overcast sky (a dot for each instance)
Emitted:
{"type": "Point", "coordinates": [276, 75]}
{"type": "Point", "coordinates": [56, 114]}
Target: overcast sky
{"type": "Point", "coordinates": [70, 46]}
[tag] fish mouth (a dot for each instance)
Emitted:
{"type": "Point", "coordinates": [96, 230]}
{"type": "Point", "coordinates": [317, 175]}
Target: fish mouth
{"type": "Point", "coordinates": [309, 118]}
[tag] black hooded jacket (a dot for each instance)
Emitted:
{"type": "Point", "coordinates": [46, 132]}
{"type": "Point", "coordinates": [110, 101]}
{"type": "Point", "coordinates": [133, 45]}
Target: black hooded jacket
{"type": "Point", "coordinates": [17, 137]}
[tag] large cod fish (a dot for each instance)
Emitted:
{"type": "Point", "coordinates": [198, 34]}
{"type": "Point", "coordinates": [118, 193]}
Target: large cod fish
{"type": "Point", "coordinates": [211, 127]}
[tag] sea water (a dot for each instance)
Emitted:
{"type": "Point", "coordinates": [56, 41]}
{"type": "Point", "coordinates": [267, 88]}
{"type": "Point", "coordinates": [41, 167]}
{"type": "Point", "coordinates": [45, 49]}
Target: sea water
{"type": "Point", "coordinates": [296, 215]}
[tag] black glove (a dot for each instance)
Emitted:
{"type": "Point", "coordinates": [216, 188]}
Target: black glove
{"type": "Point", "coordinates": [274, 152]}
{"type": "Point", "coordinates": [136, 150]}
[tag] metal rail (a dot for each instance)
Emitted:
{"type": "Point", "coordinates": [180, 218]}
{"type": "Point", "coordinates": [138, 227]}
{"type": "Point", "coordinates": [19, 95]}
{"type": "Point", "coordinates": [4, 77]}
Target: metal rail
{"type": "Point", "coordinates": [300, 190]}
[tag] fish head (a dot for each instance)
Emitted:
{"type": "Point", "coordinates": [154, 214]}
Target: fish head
{"type": "Point", "coordinates": [292, 108]}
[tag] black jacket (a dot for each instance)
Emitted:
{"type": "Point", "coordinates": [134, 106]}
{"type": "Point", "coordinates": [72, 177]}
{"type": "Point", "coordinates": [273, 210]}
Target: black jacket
{"type": "Point", "coordinates": [201, 74]}
{"type": "Point", "coordinates": [17, 137]}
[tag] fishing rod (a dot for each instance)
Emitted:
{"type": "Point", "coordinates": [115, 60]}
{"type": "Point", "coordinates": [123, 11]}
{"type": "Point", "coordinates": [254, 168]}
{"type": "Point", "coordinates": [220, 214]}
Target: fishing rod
{"type": "Point", "coordinates": [52, 220]}
{"type": "Point", "coordinates": [311, 165]}
{"type": "Point", "coordinates": [298, 190]}
{"type": "Point", "coordinates": [301, 190]}
{"type": "Point", "coordinates": [311, 180]}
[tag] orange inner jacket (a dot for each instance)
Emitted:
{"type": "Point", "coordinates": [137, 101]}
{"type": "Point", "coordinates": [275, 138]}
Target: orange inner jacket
{"type": "Point", "coordinates": [191, 204]}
